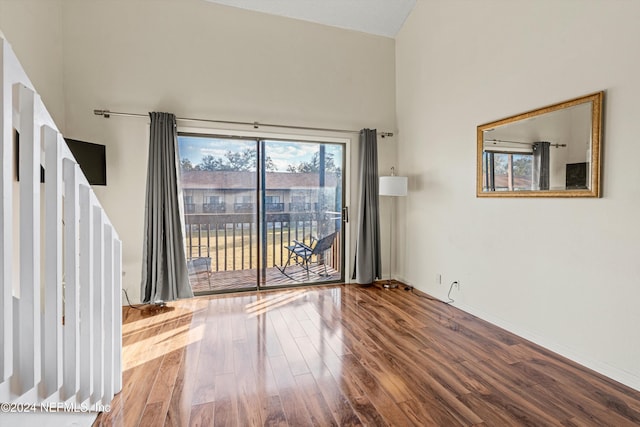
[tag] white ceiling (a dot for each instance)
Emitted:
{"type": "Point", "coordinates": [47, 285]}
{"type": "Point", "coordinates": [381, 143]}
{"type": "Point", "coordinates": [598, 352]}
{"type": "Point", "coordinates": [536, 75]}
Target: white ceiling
{"type": "Point", "coordinates": [380, 17]}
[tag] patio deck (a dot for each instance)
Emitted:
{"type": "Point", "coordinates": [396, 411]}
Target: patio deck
{"type": "Point", "coordinates": [236, 280]}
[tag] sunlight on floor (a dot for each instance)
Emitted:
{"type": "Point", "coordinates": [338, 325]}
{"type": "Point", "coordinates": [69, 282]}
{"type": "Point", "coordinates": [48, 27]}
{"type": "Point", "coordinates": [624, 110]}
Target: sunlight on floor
{"type": "Point", "coordinates": [263, 305]}
{"type": "Point", "coordinates": [158, 333]}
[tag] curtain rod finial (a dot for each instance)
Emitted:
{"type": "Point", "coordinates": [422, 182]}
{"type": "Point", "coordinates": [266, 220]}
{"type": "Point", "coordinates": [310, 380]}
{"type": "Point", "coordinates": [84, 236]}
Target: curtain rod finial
{"type": "Point", "coordinates": [103, 113]}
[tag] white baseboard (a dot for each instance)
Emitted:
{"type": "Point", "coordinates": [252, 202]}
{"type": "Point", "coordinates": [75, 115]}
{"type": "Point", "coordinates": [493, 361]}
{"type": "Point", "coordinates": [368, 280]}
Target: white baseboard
{"type": "Point", "coordinates": [624, 377]}
{"type": "Point", "coordinates": [619, 375]}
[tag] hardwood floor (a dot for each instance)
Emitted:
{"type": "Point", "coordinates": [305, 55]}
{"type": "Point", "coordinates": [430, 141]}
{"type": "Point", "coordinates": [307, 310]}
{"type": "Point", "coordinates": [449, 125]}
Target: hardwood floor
{"type": "Point", "coordinates": [347, 355]}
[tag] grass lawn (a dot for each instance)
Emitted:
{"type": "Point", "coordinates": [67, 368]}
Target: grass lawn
{"type": "Point", "coordinates": [240, 251]}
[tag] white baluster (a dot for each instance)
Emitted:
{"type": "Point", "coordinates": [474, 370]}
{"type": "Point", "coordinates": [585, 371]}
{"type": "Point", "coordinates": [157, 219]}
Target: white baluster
{"type": "Point", "coordinates": [98, 302]}
{"type": "Point", "coordinates": [52, 319]}
{"type": "Point", "coordinates": [109, 310]}
{"type": "Point", "coordinates": [86, 294]}
{"type": "Point", "coordinates": [27, 358]}
{"type": "Point", "coordinates": [72, 279]}
{"type": "Point", "coordinates": [6, 227]}
{"type": "Point", "coordinates": [117, 315]}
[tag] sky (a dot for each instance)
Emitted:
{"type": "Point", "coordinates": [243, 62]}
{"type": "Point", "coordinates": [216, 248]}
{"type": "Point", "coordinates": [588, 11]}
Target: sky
{"type": "Point", "coordinates": [283, 153]}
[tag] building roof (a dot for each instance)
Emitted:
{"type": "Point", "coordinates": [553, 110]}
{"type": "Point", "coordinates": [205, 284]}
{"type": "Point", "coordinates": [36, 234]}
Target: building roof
{"type": "Point", "coordinates": [243, 180]}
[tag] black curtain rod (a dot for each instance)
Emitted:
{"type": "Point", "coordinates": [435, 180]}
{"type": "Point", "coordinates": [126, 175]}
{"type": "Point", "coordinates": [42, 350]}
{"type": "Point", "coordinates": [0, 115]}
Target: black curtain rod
{"type": "Point", "coordinates": [256, 125]}
{"type": "Point", "coordinates": [520, 142]}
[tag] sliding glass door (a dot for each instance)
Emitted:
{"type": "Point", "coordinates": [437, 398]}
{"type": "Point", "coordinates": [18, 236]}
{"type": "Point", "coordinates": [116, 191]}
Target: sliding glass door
{"type": "Point", "coordinates": [261, 213]}
{"type": "Point", "coordinates": [303, 213]}
{"type": "Point", "coordinates": [219, 186]}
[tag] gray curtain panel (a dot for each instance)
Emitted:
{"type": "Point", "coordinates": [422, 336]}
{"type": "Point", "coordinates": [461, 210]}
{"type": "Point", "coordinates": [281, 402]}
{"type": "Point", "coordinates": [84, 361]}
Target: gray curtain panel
{"type": "Point", "coordinates": [541, 165]}
{"type": "Point", "coordinates": [367, 266]}
{"type": "Point", "coordinates": [164, 266]}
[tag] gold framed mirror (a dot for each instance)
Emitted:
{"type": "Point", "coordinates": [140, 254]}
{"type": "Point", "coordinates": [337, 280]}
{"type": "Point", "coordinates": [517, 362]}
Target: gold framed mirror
{"type": "Point", "coordinates": [552, 151]}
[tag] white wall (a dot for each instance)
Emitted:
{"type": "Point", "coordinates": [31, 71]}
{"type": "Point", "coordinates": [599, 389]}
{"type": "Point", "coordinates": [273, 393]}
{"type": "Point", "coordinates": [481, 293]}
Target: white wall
{"type": "Point", "coordinates": [562, 272]}
{"type": "Point", "coordinates": [34, 30]}
{"type": "Point", "coordinates": [198, 59]}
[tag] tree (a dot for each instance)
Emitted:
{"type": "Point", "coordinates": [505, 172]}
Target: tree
{"type": "Point", "coordinates": [241, 161]}
{"type": "Point", "coordinates": [246, 161]}
{"type": "Point", "coordinates": [500, 164]}
{"type": "Point", "coordinates": [210, 163]}
{"type": "Point", "coordinates": [186, 165]}
{"type": "Point", "coordinates": [522, 166]}
{"type": "Point", "coordinates": [271, 167]}
{"type": "Point", "coordinates": [313, 165]}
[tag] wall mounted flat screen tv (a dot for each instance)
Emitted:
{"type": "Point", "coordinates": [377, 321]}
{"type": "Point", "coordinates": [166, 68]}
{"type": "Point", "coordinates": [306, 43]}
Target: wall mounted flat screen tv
{"type": "Point", "coordinates": [92, 159]}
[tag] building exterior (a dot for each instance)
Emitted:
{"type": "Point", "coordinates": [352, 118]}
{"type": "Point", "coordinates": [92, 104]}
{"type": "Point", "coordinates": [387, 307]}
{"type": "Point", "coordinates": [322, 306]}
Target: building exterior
{"type": "Point", "coordinates": [234, 192]}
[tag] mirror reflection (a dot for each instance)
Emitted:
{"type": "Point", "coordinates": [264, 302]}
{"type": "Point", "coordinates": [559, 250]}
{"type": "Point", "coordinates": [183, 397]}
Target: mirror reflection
{"type": "Point", "coordinates": [550, 152]}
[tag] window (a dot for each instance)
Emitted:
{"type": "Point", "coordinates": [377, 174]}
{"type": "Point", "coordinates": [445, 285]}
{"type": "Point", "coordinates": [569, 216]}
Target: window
{"type": "Point", "coordinates": [272, 204]}
{"type": "Point", "coordinates": [272, 199]}
{"type": "Point", "coordinates": [299, 204]}
{"type": "Point", "coordinates": [507, 171]}
{"type": "Point", "coordinates": [189, 206]}
{"type": "Point", "coordinates": [244, 204]}
{"type": "Point", "coordinates": [215, 204]}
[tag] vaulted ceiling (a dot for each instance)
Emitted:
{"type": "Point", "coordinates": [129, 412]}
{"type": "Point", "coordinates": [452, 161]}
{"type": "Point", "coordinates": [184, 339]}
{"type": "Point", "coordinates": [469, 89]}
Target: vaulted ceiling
{"type": "Point", "coordinates": [380, 17]}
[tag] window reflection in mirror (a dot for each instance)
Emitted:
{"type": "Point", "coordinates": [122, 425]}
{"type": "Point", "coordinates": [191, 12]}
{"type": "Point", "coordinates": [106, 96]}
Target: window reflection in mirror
{"type": "Point", "coordinates": [507, 171]}
{"type": "Point", "coordinates": [549, 152]}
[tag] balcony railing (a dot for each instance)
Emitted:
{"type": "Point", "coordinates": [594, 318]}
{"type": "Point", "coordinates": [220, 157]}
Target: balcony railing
{"type": "Point", "coordinates": [231, 240]}
{"type": "Point", "coordinates": [302, 207]}
{"type": "Point", "coordinates": [192, 208]}
{"type": "Point", "coordinates": [243, 207]}
{"type": "Point", "coordinates": [274, 207]}
{"type": "Point", "coordinates": [299, 207]}
{"type": "Point", "coordinates": [213, 208]}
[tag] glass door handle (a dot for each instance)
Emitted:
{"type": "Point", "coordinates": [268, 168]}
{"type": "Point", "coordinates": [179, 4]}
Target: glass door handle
{"type": "Point", "coordinates": [345, 214]}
